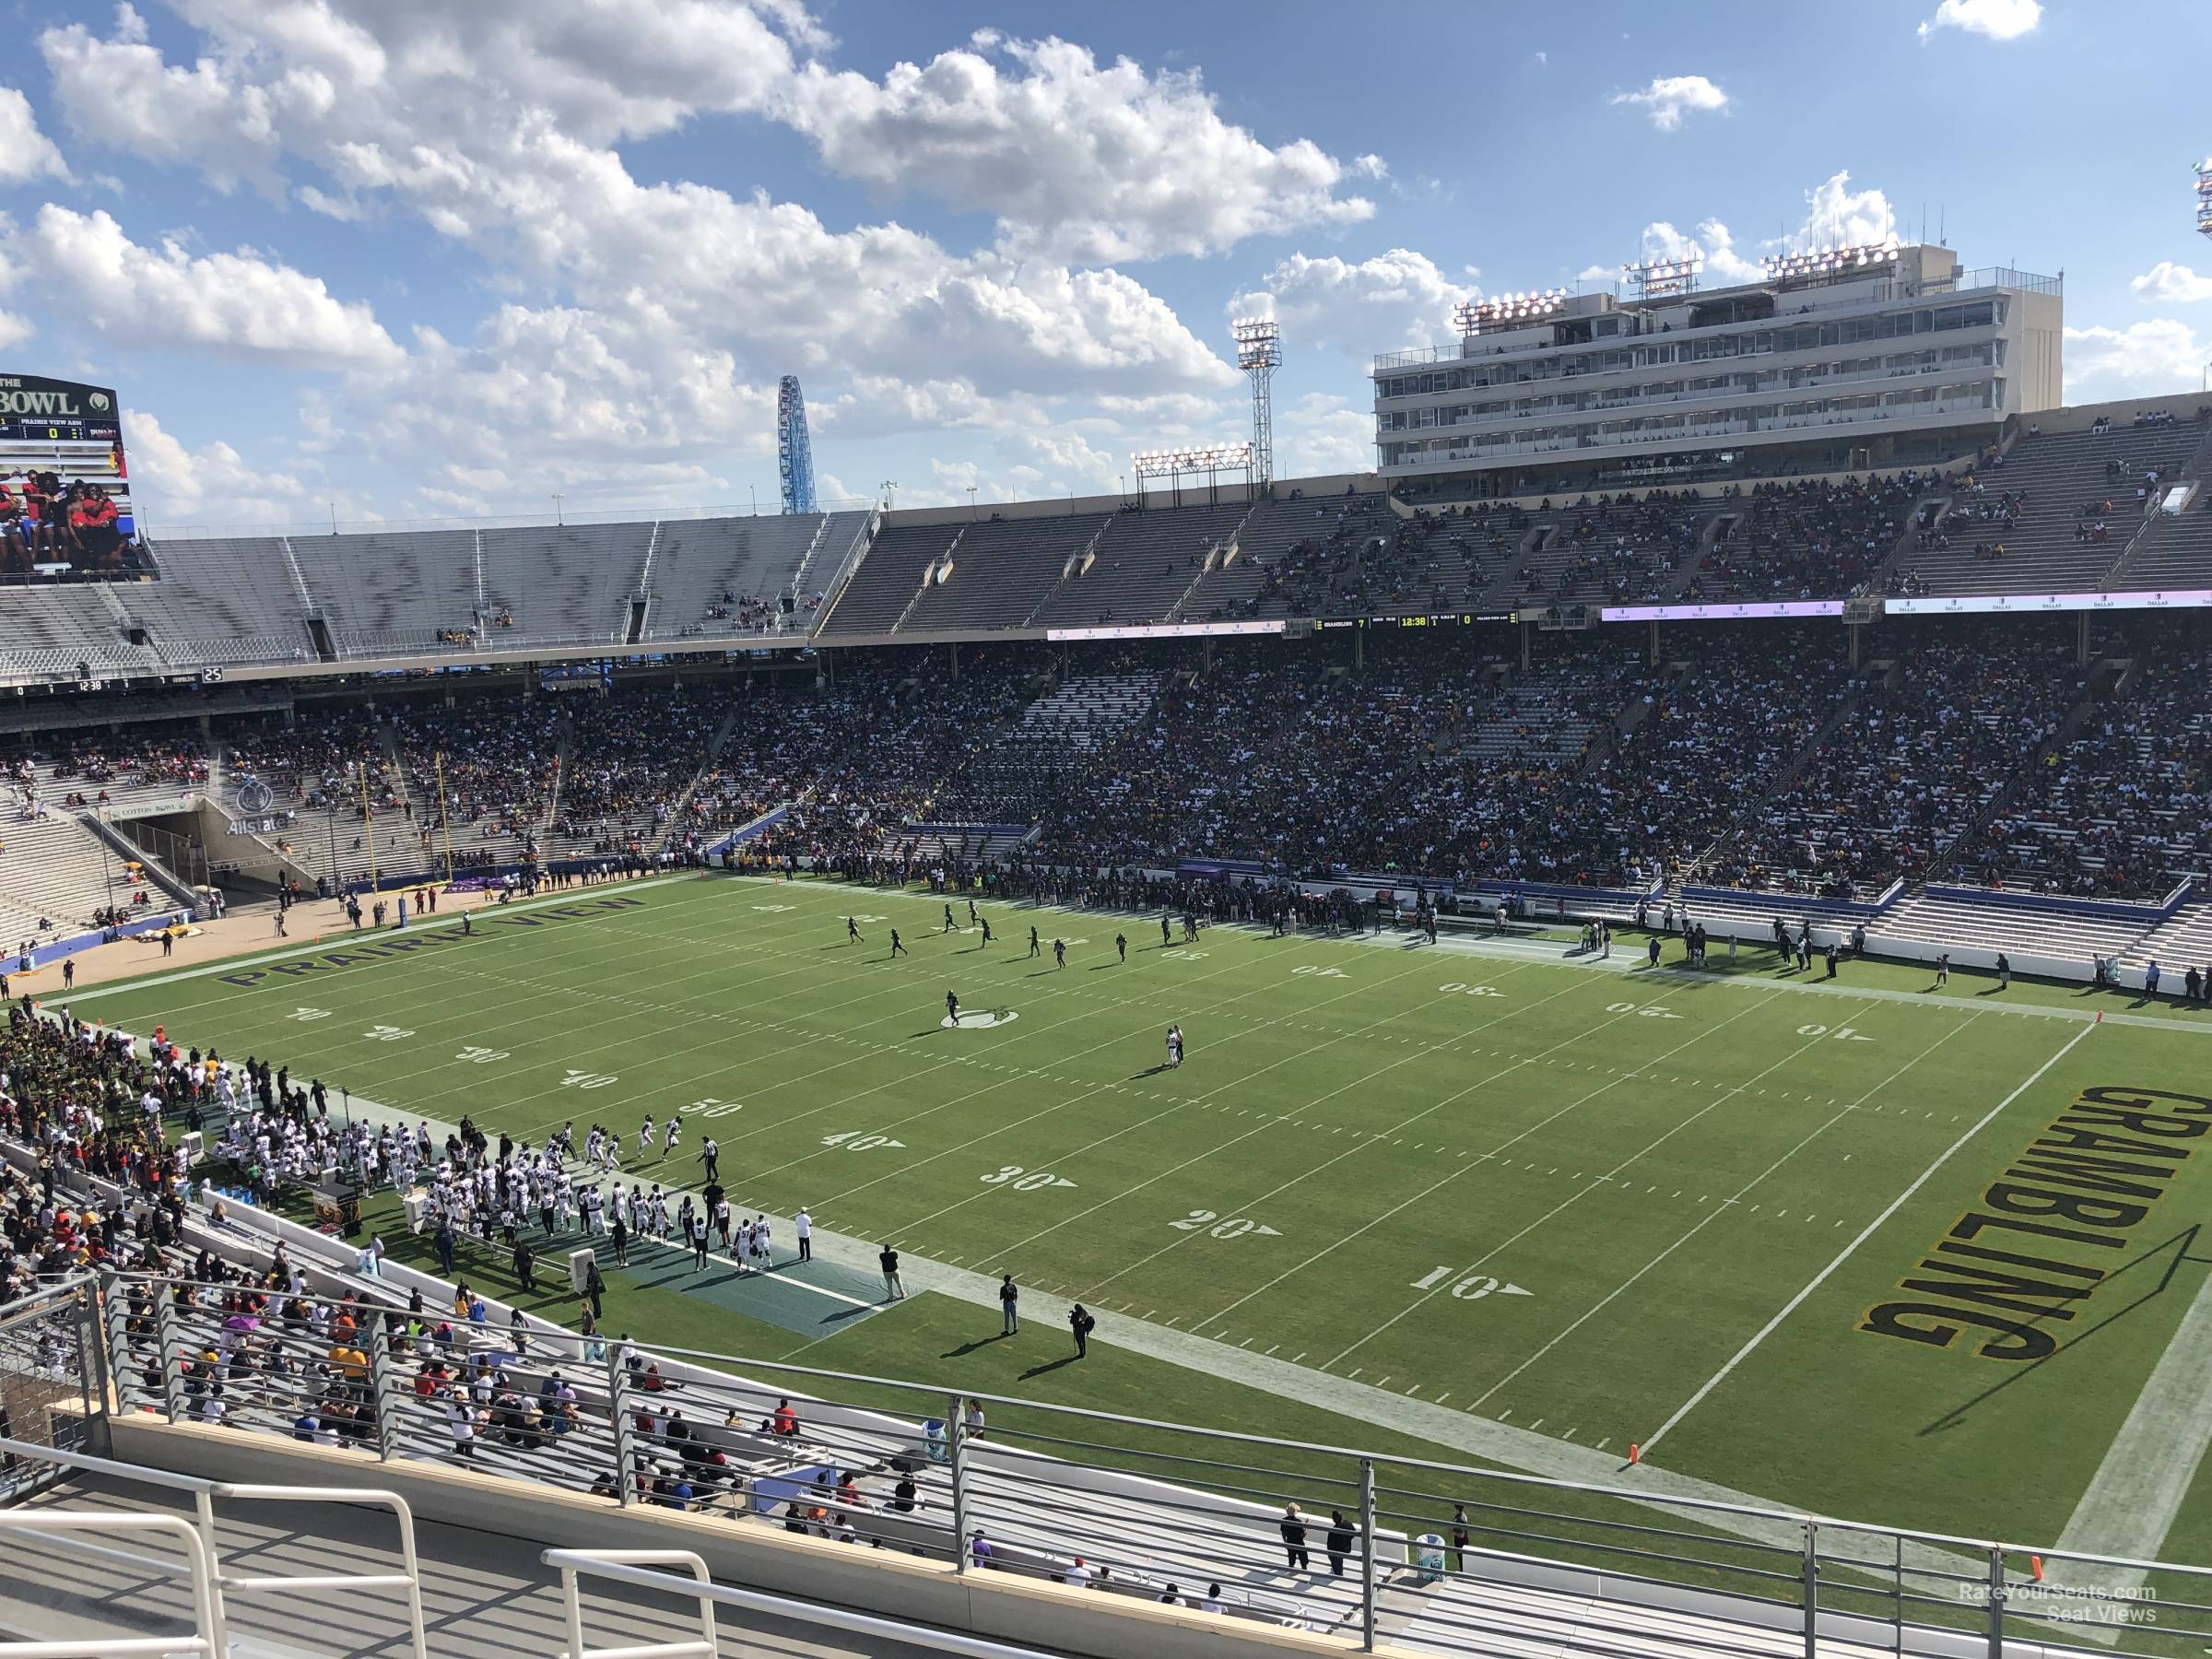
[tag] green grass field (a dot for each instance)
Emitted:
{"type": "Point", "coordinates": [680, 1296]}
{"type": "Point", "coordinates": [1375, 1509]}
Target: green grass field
{"type": "Point", "coordinates": [1590, 1206]}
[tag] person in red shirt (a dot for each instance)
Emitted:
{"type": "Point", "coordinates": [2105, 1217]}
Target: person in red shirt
{"type": "Point", "coordinates": [95, 524]}
{"type": "Point", "coordinates": [15, 543]}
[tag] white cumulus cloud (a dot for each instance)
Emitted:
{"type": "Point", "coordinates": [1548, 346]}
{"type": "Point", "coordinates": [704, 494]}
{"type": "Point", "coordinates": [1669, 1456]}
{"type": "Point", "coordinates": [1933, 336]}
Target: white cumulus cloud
{"type": "Point", "coordinates": [25, 152]}
{"type": "Point", "coordinates": [1996, 19]}
{"type": "Point", "coordinates": [1076, 159]}
{"type": "Point", "coordinates": [240, 303]}
{"type": "Point", "coordinates": [2167, 280]}
{"type": "Point", "coordinates": [2160, 355]}
{"type": "Point", "coordinates": [174, 484]}
{"type": "Point", "coordinates": [1397, 298]}
{"type": "Point", "coordinates": [1671, 97]}
{"type": "Point", "coordinates": [1835, 216]}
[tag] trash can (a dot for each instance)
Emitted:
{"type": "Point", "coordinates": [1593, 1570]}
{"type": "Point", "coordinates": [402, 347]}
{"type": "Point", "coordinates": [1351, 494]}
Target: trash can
{"type": "Point", "coordinates": [1428, 1558]}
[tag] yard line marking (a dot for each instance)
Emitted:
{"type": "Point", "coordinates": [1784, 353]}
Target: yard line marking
{"type": "Point", "coordinates": [999, 1129]}
{"type": "Point", "coordinates": [1270, 1121]}
{"type": "Point", "coordinates": [1543, 1122]}
{"type": "Point", "coordinates": [1866, 1233]}
{"type": "Point", "coordinates": [1710, 1213]}
{"type": "Point", "coordinates": [1350, 1152]}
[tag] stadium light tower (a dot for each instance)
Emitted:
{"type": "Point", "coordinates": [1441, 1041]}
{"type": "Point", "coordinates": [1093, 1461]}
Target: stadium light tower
{"type": "Point", "coordinates": [1260, 354]}
{"type": "Point", "coordinates": [794, 454]}
{"type": "Point", "coordinates": [2204, 196]}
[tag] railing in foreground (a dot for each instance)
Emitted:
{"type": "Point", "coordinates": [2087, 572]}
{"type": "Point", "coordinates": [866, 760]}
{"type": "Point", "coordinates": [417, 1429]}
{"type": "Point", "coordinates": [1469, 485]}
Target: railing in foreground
{"type": "Point", "coordinates": [204, 1560]}
{"type": "Point", "coordinates": [43, 1524]}
{"type": "Point", "coordinates": [50, 1395]}
{"type": "Point", "coordinates": [1439, 1555]}
{"type": "Point", "coordinates": [627, 1566]}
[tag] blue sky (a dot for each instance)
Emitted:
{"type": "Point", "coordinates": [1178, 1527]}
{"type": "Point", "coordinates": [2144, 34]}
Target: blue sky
{"type": "Point", "coordinates": [408, 259]}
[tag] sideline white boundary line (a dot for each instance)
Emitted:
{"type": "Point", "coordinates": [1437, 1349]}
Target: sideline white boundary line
{"type": "Point", "coordinates": [1866, 1233]}
{"type": "Point", "coordinates": [365, 935]}
{"type": "Point", "coordinates": [2130, 1503]}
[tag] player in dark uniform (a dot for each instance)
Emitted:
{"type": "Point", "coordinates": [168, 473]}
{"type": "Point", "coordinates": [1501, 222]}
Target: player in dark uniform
{"type": "Point", "coordinates": [948, 918]}
{"type": "Point", "coordinates": [1164, 939]}
{"type": "Point", "coordinates": [1121, 946]}
{"type": "Point", "coordinates": [952, 1008]}
{"type": "Point", "coordinates": [852, 931]}
{"type": "Point", "coordinates": [1059, 953]}
{"type": "Point", "coordinates": [898, 949]}
{"type": "Point", "coordinates": [984, 923]}
{"type": "Point", "coordinates": [1034, 947]}
{"type": "Point", "coordinates": [972, 918]}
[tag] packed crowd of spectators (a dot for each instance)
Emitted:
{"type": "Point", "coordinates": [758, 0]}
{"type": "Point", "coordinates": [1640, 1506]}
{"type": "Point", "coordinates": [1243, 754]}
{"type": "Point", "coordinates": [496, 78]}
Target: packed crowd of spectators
{"type": "Point", "coordinates": [2119, 809]}
{"type": "Point", "coordinates": [1913, 762]}
{"type": "Point", "coordinates": [497, 763]}
{"type": "Point", "coordinates": [1809, 540]}
{"type": "Point", "coordinates": [1616, 549]}
{"type": "Point", "coordinates": [634, 753]}
{"type": "Point", "coordinates": [87, 1101]}
{"type": "Point", "coordinates": [1273, 758]}
{"type": "Point", "coordinates": [1712, 740]}
{"type": "Point", "coordinates": [320, 758]}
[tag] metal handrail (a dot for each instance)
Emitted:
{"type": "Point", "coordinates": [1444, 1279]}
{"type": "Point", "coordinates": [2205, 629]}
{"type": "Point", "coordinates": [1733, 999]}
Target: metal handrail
{"type": "Point", "coordinates": [206, 1637]}
{"type": "Point", "coordinates": [1644, 1495]}
{"type": "Point", "coordinates": [205, 1491]}
{"type": "Point", "coordinates": [626, 1566]}
{"type": "Point", "coordinates": [1980, 1578]}
{"type": "Point", "coordinates": [597, 1561]}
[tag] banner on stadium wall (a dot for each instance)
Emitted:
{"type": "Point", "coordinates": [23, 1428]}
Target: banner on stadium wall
{"type": "Point", "coordinates": [1722, 613]}
{"type": "Point", "coordinates": [1168, 630]}
{"type": "Point", "coordinates": [1975, 604]}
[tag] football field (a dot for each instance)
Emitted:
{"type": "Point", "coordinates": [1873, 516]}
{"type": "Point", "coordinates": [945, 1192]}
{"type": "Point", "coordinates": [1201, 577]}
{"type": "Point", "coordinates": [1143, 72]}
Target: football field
{"type": "Point", "coordinates": [1907, 1255]}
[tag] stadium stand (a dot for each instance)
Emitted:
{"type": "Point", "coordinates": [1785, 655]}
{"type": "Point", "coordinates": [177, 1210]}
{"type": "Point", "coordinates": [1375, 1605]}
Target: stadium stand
{"type": "Point", "coordinates": [1040, 758]}
{"type": "Point", "coordinates": [1757, 696]}
{"type": "Point", "coordinates": [888, 579]}
{"type": "Point", "coordinates": [724, 576]}
{"type": "Point", "coordinates": [1913, 760]}
{"type": "Point", "coordinates": [1812, 540]}
{"type": "Point", "coordinates": [634, 758]}
{"type": "Point", "coordinates": [1603, 549]}
{"type": "Point", "coordinates": [1940, 924]}
{"type": "Point", "coordinates": [2182, 939]}
{"type": "Point", "coordinates": [2053, 514]}
{"type": "Point", "coordinates": [401, 592]}
{"type": "Point", "coordinates": [57, 877]}
{"type": "Point", "coordinates": [51, 634]}
{"type": "Point", "coordinates": [566, 584]}
{"type": "Point", "coordinates": [2176, 550]}
{"type": "Point", "coordinates": [2119, 809]}
{"type": "Point", "coordinates": [1002, 570]}
{"type": "Point", "coordinates": [218, 591]}
{"type": "Point", "coordinates": [1142, 566]}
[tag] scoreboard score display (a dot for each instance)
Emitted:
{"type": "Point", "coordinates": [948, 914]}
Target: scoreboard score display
{"type": "Point", "coordinates": [34, 410]}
